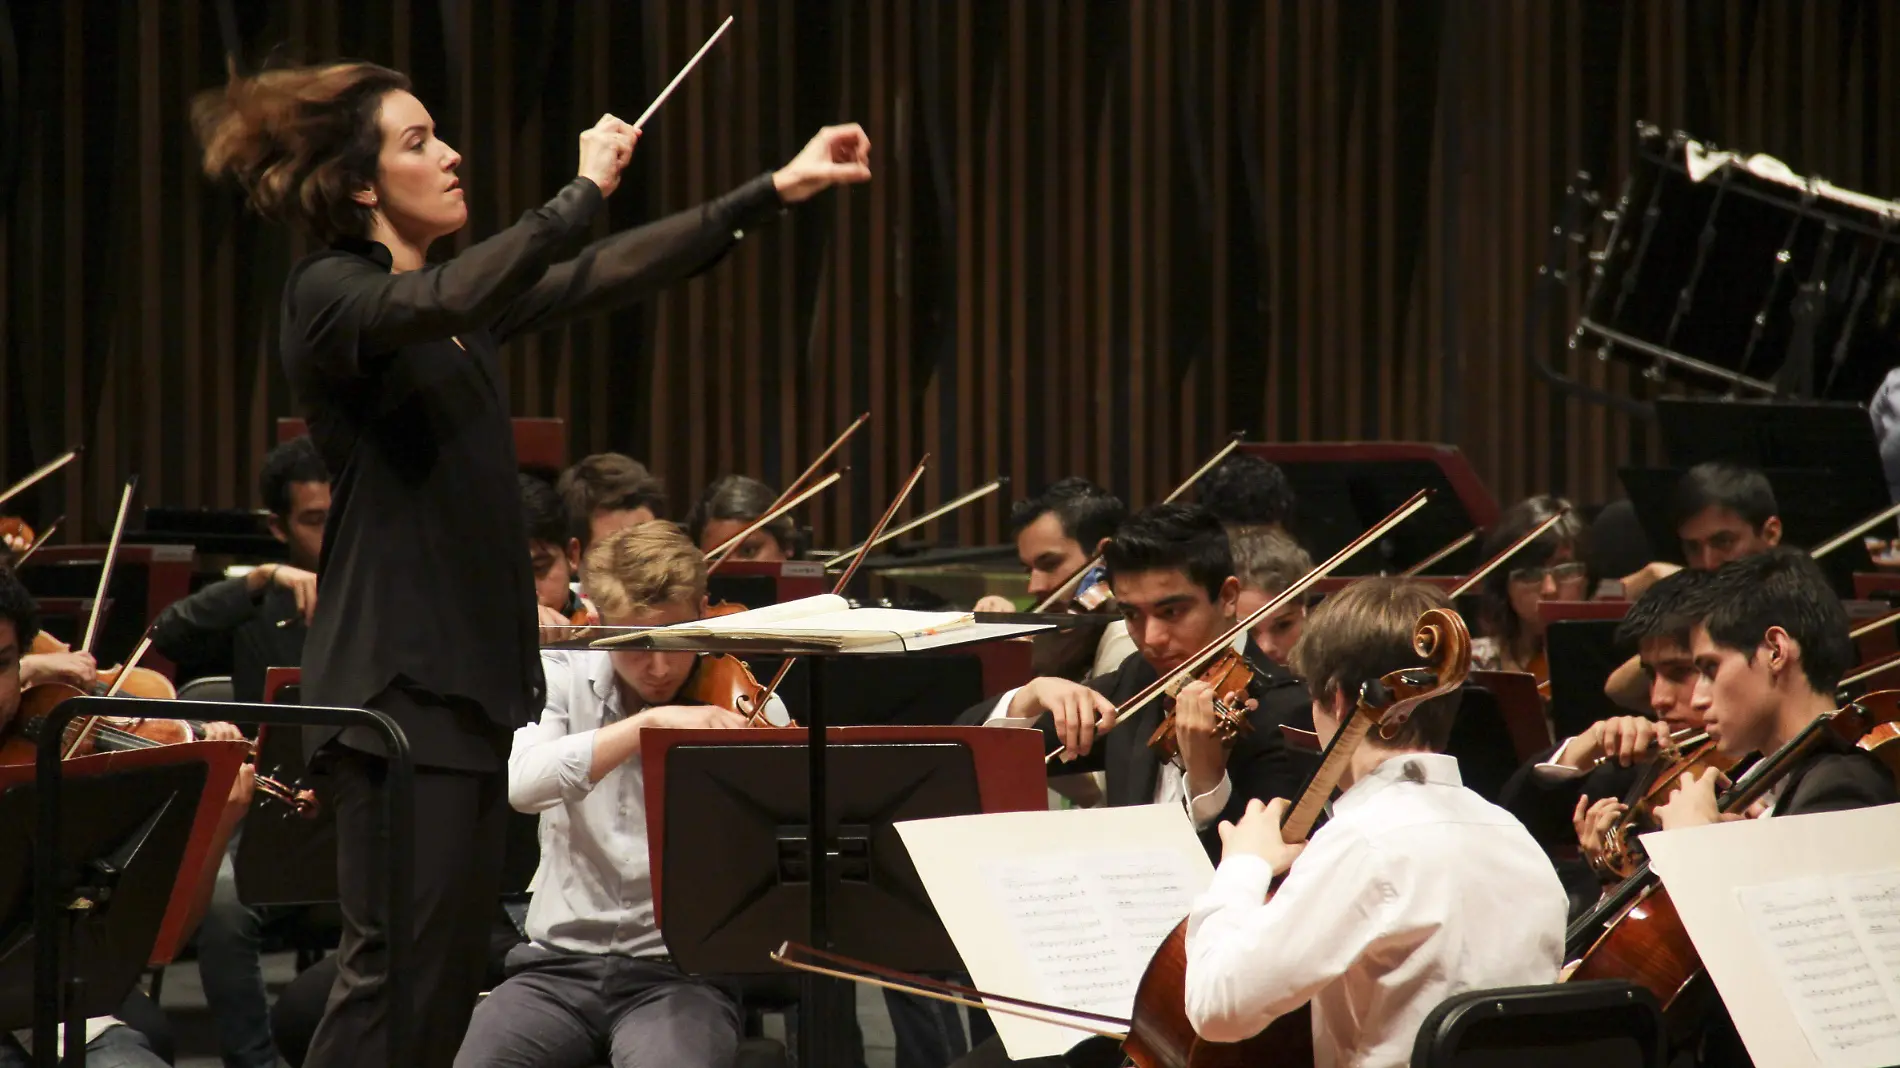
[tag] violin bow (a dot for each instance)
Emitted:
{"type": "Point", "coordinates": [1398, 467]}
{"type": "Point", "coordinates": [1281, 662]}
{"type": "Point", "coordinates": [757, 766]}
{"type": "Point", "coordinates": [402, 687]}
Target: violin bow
{"type": "Point", "coordinates": [1864, 629]}
{"type": "Point", "coordinates": [928, 517]}
{"type": "Point", "coordinates": [125, 672]}
{"type": "Point", "coordinates": [721, 552]}
{"type": "Point", "coordinates": [1854, 531]}
{"type": "Point", "coordinates": [844, 580]}
{"type": "Point", "coordinates": [41, 472]}
{"type": "Point", "coordinates": [112, 555]}
{"type": "Point", "coordinates": [1067, 586]}
{"type": "Point", "coordinates": [45, 533]}
{"type": "Point", "coordinates": [1199, 660]}
{"type": "Point", "coordinates": [830, 450]}
{"type": "Point", "coordinates": [1471, 581]}
{"type": "Point", "coordinates": [641, 122]}
{"type": "Point", "coordinates": [788, 953]}
{"type": "Point", "coordinates": [1423, 565]}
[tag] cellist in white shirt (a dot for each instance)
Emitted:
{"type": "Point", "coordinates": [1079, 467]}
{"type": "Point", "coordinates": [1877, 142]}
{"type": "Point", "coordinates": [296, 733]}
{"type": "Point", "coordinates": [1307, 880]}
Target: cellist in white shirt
{"type": "Point", "coordinates": [1415, 890]}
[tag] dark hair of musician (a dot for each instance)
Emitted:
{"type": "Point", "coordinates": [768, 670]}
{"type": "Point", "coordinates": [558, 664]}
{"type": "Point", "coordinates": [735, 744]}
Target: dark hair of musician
{"type": "Point", "coordinates": [1364, 632]}
{"type": "Point", "coordinates": [744, 499]}
{"type": "Point", "coordinates": [541, 509]}
{"type": "Point", "coordinates": [1783, 588]}
{"type": "Point", "coordinates": [607, 481]}
{"type": "Point", "coordinates": [1088, 513]}
{"type": "Point", "coordinates": [299, 141]}
{"type": "Point", "coordinates": [17, 605]}
{"type": "Point", "coordinates": [1495, 591]}
{"type": "Point", "coordinates": [296, 460]}
{"type": "Point", "coordinates": [1245, 490]}
{"type": "Point", "coordinates": [1742, 490]}
{"type": "Point", "coordinates": [1173, 537]}
{"type": "Point", "coordinates": [1667, 610]}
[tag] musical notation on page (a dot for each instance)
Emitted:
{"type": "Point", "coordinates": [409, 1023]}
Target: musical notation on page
{"type": "Point", "coordinates": [1834, 948]}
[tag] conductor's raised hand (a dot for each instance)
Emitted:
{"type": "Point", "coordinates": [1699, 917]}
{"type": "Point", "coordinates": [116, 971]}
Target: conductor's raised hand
{"type": "Point", "coordinates": [838, 155]}
{"type": "Point", "coordinates": [605, 152]}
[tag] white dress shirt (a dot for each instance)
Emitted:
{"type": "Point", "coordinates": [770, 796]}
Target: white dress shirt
{"type": "Point", "coordinates": [1171, 784]}
{"type": "Point", "coordinates": [1417, 889]}
{"type": "Point", "coordinates": [593, 892]}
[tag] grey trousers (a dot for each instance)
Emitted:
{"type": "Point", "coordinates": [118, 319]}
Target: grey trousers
{"type": "Point", "coordinates": [569, 1010]}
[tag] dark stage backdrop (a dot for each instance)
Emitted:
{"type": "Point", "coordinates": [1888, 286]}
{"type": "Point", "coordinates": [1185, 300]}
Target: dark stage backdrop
{"type": "Point", "coordinates": [1102, 234]}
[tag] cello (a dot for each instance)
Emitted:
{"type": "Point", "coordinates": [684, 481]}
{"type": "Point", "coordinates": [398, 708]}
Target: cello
{"type": "Point", "coordinates": [1158, 1034]}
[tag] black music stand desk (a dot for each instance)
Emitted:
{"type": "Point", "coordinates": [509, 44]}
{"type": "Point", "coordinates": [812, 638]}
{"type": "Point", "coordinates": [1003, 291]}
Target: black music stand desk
{"type": "Point", "coordinates": [825, 1001]}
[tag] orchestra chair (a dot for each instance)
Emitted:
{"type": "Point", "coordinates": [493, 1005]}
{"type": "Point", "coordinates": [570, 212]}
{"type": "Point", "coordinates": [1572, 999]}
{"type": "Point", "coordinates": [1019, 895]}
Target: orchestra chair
{"type": "Point", "coordinates": [1600, 1024]}
{"type": "Point", "coordinates": [207, 688]}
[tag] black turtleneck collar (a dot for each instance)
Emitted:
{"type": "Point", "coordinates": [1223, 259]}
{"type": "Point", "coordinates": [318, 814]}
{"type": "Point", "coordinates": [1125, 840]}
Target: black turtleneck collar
{"type": "Point", "coordinates": [374, 251]}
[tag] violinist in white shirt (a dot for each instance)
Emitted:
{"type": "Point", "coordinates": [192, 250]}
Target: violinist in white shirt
{"type": "Point", "coordinates": [1415, 890]}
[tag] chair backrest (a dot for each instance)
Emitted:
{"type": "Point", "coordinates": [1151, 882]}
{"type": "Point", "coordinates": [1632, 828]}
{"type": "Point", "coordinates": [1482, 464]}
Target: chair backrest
{"type": "Point", "coordinates": [1481, 740]}
{"type": "Point", "coordinates": [1601, 1024]}
{"type": "Point", "coordinates": [207, 688]}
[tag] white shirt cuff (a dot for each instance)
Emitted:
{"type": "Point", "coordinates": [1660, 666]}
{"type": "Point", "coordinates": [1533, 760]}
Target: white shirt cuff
{"type": "Point", "coordinates": [1241, 879]}
{"type": "Point", "coordinates": [1001, 711]}
{"type": "Point", "coordinates": [1205, 808]}
{"type": "Point", "coordinates": [1553, 770]}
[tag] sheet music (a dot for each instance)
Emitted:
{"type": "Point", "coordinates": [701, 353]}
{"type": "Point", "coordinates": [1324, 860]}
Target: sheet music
{"type": "Point", "coordinates": [1089, 923]}
{"type": "Point", "coordinates": [1064, 908]}
{"type": "Point", "coordinates": [1833, 944]}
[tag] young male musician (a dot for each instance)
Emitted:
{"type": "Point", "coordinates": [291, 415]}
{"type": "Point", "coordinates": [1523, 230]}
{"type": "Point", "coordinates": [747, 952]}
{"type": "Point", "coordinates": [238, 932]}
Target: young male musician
{"type": "Point", "coordinates": [257, 621]}
{"type": "Point", "coordinates": [1569, 794]}
{"type": "Point", "coordinates": [594, 974]}
{"type": "Point", "coordinates": [546, 520]}
{"type": "Point", "coordinates": [1173, 580]}
{"type": "Point", "coordinates": [1416, 889]}
{"type": "Point", "coordinates": [1247, 493]}
{"type": "Point", "coordinates": [604, 493]}
{"type": "Point", "coordinates": [1056, 532]}
{"type": "Point", "coordinates": [1770, 646]}
{"type": "Point", "coordinates": [1721, 512]}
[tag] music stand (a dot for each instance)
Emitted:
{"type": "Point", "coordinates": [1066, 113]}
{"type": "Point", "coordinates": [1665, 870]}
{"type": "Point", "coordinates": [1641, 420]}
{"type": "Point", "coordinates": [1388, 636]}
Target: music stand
{"type": "Point", "coordinates": [1582, 653]}
{"type": "Point", "coordinates": [115, 872]}
{"type": "Point", "coordinates": [399, 814]}
{"type": "Point", "coordinates": [824, 1001]}
{"type": "Point", "coordinates": [1815, 505]}
{"type": "Point", "coordinates": [1344, 487]}
{"type": "Point", "coordinates": [1820, 435]}
{"type": "Point", "coordinates": [757, 583]}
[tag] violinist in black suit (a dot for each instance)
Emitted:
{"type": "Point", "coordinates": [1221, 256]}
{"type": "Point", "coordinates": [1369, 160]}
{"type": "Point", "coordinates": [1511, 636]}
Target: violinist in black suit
{"type": "Point", "coordinates": [1172, 574]}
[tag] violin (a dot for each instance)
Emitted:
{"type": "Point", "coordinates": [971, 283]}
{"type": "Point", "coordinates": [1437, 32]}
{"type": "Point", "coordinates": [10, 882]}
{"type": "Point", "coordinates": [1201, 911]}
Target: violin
{"type": "Point", "coordinates": [15, 535]}
{"type": "Point", "coordinates": [723, 681]}
{"type": "Point", "coordinates": [1618, 858]}
{"type": "Point", "coordinates": [1230, 675]}
{"type": "Point", "coordinates": [1634, 933]}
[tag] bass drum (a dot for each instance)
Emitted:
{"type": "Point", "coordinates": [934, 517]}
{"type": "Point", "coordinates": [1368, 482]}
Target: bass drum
{"type": "Point", "coordinates": [1738, 274]}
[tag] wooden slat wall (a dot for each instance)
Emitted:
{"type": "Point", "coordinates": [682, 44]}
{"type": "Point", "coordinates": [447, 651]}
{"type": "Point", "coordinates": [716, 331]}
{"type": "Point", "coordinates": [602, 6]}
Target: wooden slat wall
{"type": "Point", "coordinates": [1102, 235]}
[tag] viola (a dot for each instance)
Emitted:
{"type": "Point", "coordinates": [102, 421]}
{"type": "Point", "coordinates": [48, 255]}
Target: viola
{"type": "Point", "coordinates": [1230, 675]}
{"type": "Point", "coordinates": [15, 535]}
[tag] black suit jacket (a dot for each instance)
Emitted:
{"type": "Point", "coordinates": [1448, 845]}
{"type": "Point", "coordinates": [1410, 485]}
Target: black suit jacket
{"type": "Point", "coordinates": [1259, 764]}
{"type": "Point", "coordinates": [1544, 805]}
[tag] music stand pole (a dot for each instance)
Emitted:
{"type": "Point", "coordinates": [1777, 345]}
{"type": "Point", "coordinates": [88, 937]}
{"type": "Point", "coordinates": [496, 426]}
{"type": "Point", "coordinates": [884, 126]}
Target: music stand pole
{"type": "Point", "coordinates": [818, 1038]}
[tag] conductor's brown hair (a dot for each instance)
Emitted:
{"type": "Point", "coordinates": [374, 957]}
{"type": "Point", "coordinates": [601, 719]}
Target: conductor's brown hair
{"type": "Point", "coordinates": [1363, 632]}
{"type": "Point", "coordinates": [300, 141]}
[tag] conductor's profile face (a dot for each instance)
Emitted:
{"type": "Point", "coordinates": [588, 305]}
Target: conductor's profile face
{"type": "Point", "coordinates": [416, 190]}
{"type": "Point", "coordinates": [655, 678]}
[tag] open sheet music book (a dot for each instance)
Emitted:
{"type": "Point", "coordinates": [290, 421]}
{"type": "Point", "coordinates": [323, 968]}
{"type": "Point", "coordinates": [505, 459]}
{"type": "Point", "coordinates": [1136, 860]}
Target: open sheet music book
{"type": "Point", "coordinates": [826, 621]}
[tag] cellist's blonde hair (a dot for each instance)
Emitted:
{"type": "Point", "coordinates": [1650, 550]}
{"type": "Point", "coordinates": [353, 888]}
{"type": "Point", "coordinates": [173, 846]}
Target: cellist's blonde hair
{"type": "Point", "coordinates": [644, 566]}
